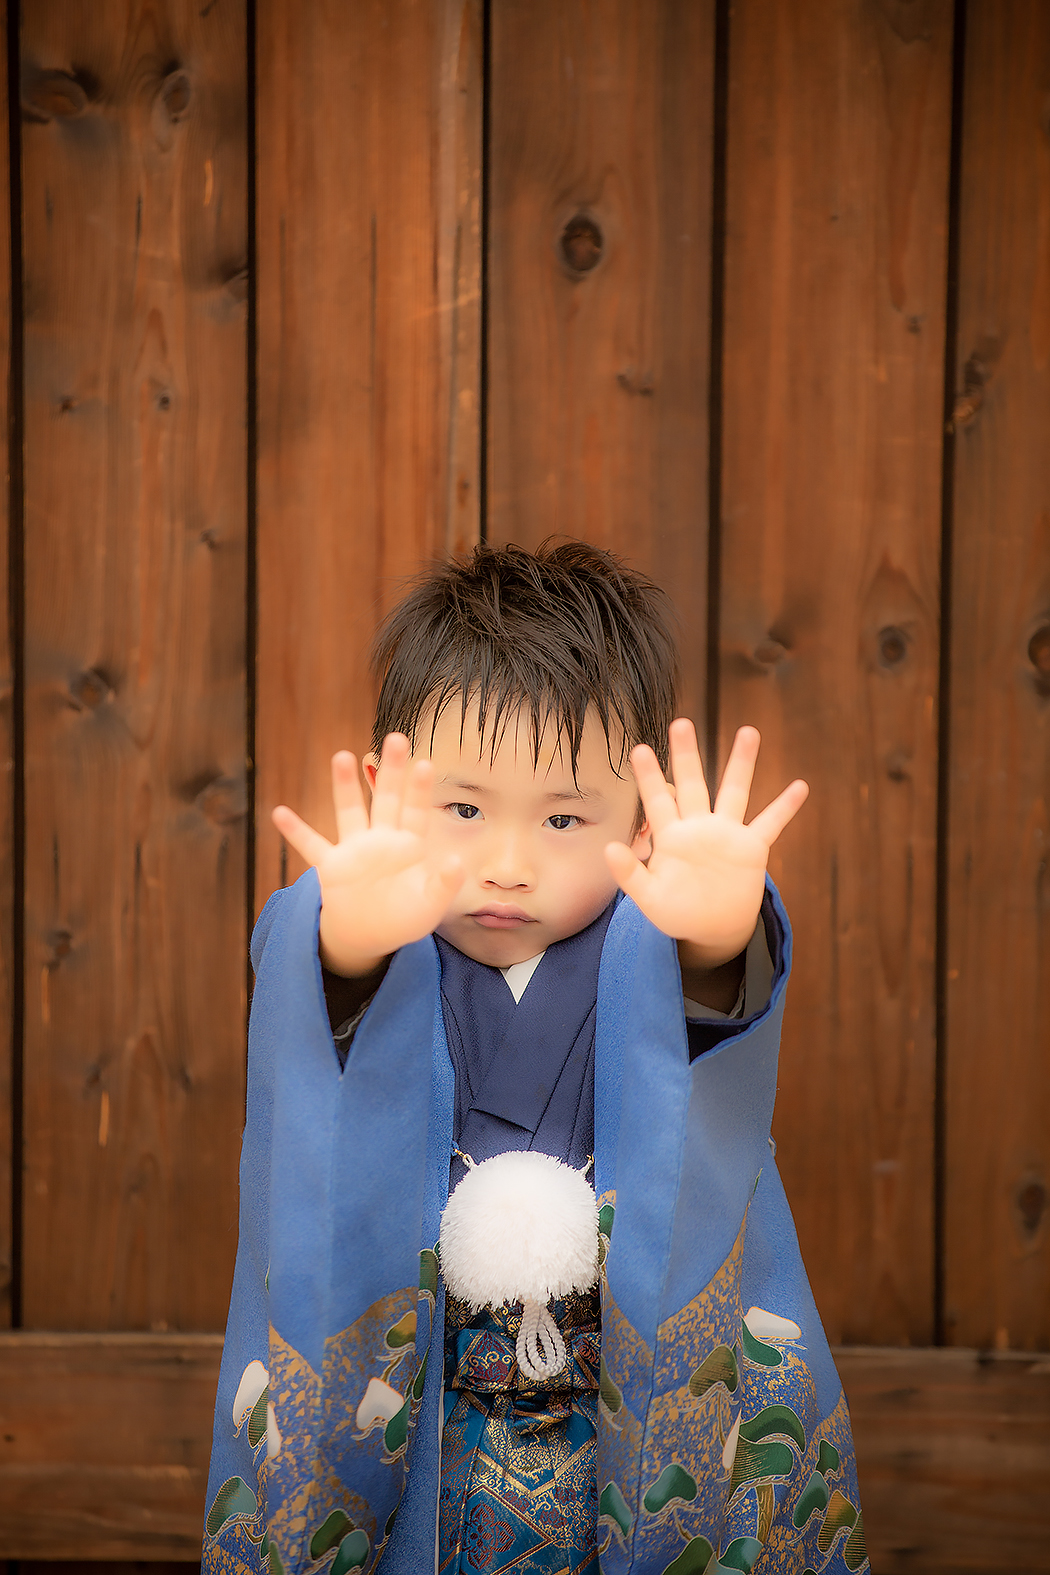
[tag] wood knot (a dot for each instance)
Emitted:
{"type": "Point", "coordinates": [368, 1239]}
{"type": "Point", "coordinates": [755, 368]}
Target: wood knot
{"type": "Point", "coordinates": [60, 943]}
{"type": "Point", "coordinates": [581, 244]}
{"type": "Point", "coordinates": [52, 95]}
{"type": "Point", "coordinates": [223, 801]}
{"type": "Point", "coordinates": [1039, 650]}
{"type": "Point", "coordinates": [175, 94]}
{"type": "Point", "coordinates": [980, 365]}
{"type": "Point", "coordinates": [55, 95]}
{"type": "Point", "coordinates": [89, 688]}
{"type": "Point", "coordinates": [1031, 1206]}
{"type": "Point", "coordinates": [634, 382]}
{"type": "Point", "coordinates": [893, 645]}
{"type": "Point", "coordinates": [769, 652]}
{"type": "Point", "coordinates": [236, 284]}
{"type": "Point", "coordinates": [170, 106]}
{"type": "Point", "coordinates": [1039, 656]}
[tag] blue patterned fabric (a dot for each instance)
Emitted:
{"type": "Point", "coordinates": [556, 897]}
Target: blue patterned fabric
{"type": "Point", "coordinates": [518, 1484]}
{"type": "Point", "coordinates": [722, 1437]}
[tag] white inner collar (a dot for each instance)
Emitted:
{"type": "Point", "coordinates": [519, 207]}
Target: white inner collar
{"type": "Point", "coordinates": [518, 975]}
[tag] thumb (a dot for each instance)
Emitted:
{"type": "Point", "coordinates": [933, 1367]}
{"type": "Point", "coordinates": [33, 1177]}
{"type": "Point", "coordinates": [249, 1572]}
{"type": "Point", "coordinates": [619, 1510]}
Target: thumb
{"type": "Point", "coordinates": [308, 843]}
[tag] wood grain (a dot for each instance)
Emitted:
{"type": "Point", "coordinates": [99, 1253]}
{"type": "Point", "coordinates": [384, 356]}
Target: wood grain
{"type": "Point", "coordinates": [369, 267]}
{"type": "Point", "coordinates": [104, 1444]}
{"type": "Point", "coordinates": [997, 1270]}
{"type": "Point", "coordinates": [952, 1458]}
{"type": "Point", "coordinates": [106, 1567]}
{"type": "Point", "coordinates": [9, 854]}
{"type": "Point", "coordinates": [838, 152]}
{"type": "Point", "coordinates": [602, 117]}
{"type": "Point", "coordinates": [134, 184]}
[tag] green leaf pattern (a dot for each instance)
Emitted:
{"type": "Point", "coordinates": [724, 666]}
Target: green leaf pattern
{"type": "Point", "coordinates": [769, 1448]}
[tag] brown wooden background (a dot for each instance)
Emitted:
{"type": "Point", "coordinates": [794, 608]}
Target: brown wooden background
{"type": "Point", "coordinates": [305, 292]}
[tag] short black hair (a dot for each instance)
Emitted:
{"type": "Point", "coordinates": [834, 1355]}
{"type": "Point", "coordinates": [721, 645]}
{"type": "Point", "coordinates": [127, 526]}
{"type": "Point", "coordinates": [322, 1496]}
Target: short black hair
{"type": "Point", "coordinates": [551, 633]}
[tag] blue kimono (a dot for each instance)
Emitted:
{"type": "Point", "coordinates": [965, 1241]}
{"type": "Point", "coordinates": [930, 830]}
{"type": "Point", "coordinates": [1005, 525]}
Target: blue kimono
{"type": "Point", "coordinates": [723, 1437]}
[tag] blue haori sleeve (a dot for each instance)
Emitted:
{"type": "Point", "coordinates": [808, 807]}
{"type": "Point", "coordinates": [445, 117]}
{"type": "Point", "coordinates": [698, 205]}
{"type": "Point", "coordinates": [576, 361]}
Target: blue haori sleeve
{"type": "Point", "coordinates": [326, 1429]}
{"type": "Point", "coordinates": [724, 1439]}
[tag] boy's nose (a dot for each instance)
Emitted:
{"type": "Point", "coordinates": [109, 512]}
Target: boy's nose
{"type": "Point", "coordinates": [507, 866]}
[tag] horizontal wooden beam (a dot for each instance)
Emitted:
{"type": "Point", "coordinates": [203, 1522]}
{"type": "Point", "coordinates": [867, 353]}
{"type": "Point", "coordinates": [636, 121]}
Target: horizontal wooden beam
{"type": "Point", "coordinates": [953, 1453]}
{"type": "Point", "coordinates": [104, 1443]}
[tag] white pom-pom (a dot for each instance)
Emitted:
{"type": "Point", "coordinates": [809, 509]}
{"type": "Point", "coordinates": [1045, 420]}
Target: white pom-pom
{"type": "Point", "coordinates": [520, 1228]}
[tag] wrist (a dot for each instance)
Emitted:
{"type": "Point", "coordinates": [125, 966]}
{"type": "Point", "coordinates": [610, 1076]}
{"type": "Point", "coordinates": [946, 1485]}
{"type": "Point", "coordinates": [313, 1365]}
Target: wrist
{"type": "Point", "coordinates": [348, 963]}
{"type": "Point", "coordinates": [695, 957]}
{"type": "Point", "coordinates": [717, 985]}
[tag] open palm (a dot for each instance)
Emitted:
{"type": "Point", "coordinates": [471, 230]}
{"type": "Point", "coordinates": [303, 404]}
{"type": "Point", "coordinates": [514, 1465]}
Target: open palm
{"type": "Point", "coordinates": [704, 881]}
{"type": "Point", "coordinates": [381, 885]}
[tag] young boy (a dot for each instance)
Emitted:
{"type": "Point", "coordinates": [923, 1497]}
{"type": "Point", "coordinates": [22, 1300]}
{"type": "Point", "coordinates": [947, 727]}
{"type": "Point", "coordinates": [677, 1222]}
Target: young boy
{"type": "Point", "coordinates": [531, 942]}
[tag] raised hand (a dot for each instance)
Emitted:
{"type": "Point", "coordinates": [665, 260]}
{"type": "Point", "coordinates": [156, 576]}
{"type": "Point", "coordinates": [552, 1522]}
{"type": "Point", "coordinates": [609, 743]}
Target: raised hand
{"type": "Point", "coordinates": [381, 885]}
{"type": "Point", "coordinates": [703, 884]}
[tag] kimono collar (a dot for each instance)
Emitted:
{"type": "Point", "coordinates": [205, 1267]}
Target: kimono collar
{"type": "Point", "coordinates": [525, 1070]}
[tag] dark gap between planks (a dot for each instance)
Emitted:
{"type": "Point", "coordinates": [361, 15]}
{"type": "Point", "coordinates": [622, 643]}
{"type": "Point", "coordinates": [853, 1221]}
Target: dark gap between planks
{"type": "Point", "coordinates": [716, 341]}
{"type": "Point", "coordinates": [251, 591]}
{"type": "Point", "coordinates": [483, 346]}
{"type": "Point", "coordinates": [16, 595]}
{"type": "Point", "coordinates": [951, 326]}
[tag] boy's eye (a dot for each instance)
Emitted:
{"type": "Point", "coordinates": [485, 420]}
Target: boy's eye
{"type": "Point", "coordinates": [465, 811]}
{"type": "Point", "coordinates": [562, 822]}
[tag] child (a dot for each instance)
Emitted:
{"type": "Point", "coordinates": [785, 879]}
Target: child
{"type": "Point", "coordinates": [532, 943]}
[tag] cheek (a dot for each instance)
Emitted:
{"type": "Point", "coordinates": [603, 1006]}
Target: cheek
{"type": "Point", "coordinates": [583, 880]}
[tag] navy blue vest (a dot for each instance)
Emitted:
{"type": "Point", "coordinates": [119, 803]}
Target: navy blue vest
{"type": "Point", "coordinates": [524, 1070]}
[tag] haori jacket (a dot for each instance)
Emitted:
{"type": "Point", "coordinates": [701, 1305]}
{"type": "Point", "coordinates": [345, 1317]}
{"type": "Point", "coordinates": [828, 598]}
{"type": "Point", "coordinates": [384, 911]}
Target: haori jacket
{"type": "Point", "coordinates": [724, 1438]}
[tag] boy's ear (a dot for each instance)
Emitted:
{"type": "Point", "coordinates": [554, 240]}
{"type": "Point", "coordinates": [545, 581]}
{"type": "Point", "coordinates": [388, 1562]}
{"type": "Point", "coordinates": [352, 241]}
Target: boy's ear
{"type": "Point", "coordinates": [370, 765]}
{"type": "Point", "coordinates": [642, 842]}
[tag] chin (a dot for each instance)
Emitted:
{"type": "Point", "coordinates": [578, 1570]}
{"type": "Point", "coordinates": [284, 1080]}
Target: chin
{"type": "Point", "coordinates": [494, 948]}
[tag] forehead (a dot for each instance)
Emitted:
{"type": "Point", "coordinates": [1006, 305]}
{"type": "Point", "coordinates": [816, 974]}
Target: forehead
{"type": "Point", "coordinates": [509, 749]}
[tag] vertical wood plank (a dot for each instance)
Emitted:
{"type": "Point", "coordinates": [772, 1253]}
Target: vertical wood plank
{"type": "Point", "coordinates": [134, 182]}
{"type": "Point", "coordinates": [997, 1272]}
{"type": "Point", "coordinates": [599, 286]}
{"type": "Point", "coordinates": [8, 852]}
{"type": "Point", "coordinates": [837, 189]}
{"type": "Point", "coordinates": [368, 245]}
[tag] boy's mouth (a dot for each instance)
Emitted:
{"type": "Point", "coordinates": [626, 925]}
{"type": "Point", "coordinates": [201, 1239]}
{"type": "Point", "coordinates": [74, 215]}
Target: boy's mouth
{"type": "Point", "coordinates": [497, 917]}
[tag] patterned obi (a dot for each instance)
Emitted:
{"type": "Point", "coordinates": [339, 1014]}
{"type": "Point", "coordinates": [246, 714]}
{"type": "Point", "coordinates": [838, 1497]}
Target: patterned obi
{"type": "Point", "coordinates": [483, 1360]}
{"type": "Point", "coordinates": [518, 1487]}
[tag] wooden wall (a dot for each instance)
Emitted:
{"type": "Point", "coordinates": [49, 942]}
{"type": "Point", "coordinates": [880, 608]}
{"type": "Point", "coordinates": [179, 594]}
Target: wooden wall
{"type": "Point", "coordinates": [303, 296]}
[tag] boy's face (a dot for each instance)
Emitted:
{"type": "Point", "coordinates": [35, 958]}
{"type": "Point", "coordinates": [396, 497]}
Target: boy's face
{"type": "Point", "coordinates": [530, 838]}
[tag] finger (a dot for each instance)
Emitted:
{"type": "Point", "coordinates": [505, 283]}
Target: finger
{"type": "Point", "coordinates": [734, 790]}
{"type": "Point", "coordinates": [350, 812]}
{"type": "Point", "coordinates": [656, 794]}
{"type": "Point", "coordinates": [687, 769]}
{"type": "Point", "coordinates": [772, 820]}
{"type": "Point", "coordinates": [416, 806]}
{"type": "Point", "coordinates": [628, 871]}
{"type": "Point", "coordinates": [390, 781]}
{"type": "Point", "coordinates": [308, 843]}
